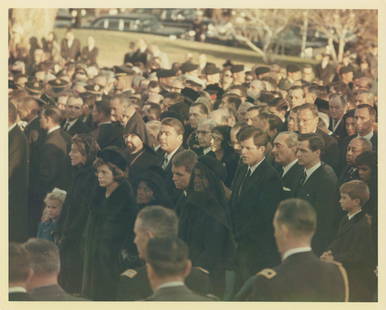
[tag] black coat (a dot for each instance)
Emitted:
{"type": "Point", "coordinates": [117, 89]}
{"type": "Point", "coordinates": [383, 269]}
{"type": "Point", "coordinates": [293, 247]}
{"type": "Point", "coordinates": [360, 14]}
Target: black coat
{"type": "Point", "coordinates": [18, 160]}
{"type": "Point", "coordinates": [109, 134]}
{"type": "Point", "coordinates": [300, 277]}
{"type": "Point", "coordinates": [134, 283]}
{"type": "Point", "coordinates": [326, 74]}
{"type": "Point", "coordinates": [19, 296]}
{"type": "Point", "coordinates": [353, 247]}
{"type": "Point", "coordinates": [340, 130]}
{"type": "Point", "coordinates": [331, 150]}
{"type": "Point", "coordinates": [174, 192]}
{"type": "Point", "coordinates": [205, 229]}
{"type": "Point", "coordinates": [71, 226]}
{"type": "Point", "coordinates": [140, 162]}
{"type": "Point", "coordinates": [110, 224]}
{"type": "Point", "coordinates": [321, 191]}
{"type": "Point", "coordinates": [70, 53]}
{"type": "Point", "coordinates": [252, 211]}
{"type": "Point", "coordinates": [78, 127]}
{"type": "Point", "coordinates": [89, 57]}
{"type": "Point", "coordinates": [291, 180]}
{"type": "Point", "coordinates": [54, 168]}
{"type": "Point", "coordinates": [176, 293]}
{"type": "Point", "coordinates": [52, 293]}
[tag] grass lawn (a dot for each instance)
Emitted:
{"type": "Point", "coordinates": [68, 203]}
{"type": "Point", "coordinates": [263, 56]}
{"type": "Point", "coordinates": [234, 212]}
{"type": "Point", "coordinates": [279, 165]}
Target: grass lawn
{"type": "Point", "coordinates": [114, 44]}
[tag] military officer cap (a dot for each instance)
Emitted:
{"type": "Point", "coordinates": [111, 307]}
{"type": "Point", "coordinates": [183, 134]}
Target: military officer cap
{"type": "Point", "coordinates": [261, 70]}
{"type": "Point", "coordinates": [211, 68]}
{"type": "Point", "coordinates": [188, 67]}
{"type": "Point", "coordinates": [34, 87]}
{"type": "Point", "coordinates": [123, 70]}
{"type": "Point", "coordinates": [284, 84]}
{"type": "Point", "coordinates": [293, 68]}
{"type": "Point", "coordinates": [58, 84]}
{"type": "Point", "coordinates": [94, 89]}
{"type": "Point", "coordinates": [165, 73]}
{"type": "Point", "coordinates": [237, 68]}
{"type": "Point", "coordinates": [346, 69]}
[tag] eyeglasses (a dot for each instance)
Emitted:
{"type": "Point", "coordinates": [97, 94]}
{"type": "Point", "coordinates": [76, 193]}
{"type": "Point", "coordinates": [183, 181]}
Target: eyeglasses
{"type": "Point", "coordinates": [202, 132]}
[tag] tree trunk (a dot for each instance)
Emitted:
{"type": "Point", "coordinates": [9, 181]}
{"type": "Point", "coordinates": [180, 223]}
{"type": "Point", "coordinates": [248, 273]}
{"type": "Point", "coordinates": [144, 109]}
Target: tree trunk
{"type": "Point", "coordinates": [342, 43]}
{"type": "Point", "coordinates": [332, 49]}
{"type": "Point", "coordinates": [304, 34]}
{"type": "Point", "coordinates": [31, 23]}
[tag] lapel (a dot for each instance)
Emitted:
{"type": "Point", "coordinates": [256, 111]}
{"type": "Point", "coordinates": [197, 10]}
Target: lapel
{"type": "Point", "coordinates": [253, 182]}
{"type": "Point", "coordinates": [347, 225]}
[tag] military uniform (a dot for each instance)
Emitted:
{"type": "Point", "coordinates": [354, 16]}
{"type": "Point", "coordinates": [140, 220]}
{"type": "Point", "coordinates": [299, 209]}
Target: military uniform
{"type": "Point", "coordinates": [300, 277]}
{"type": "Point", "coordinates": [134, 283]}
{"type": "Point", "coordinates": [176, 293]}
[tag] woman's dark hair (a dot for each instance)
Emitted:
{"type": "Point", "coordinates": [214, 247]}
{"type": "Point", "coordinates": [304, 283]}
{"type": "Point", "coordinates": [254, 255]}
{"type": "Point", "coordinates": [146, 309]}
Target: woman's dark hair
{"type": "Point", "coordinates": [87, 146]}
{"type": "Point", "coordinates": [368, 159]}
{"type": "Point", "coordinates": [224, 131]}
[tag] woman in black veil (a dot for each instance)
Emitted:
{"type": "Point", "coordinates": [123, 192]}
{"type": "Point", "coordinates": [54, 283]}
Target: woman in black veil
{"type": "Point", "coordinates": [204, 222]}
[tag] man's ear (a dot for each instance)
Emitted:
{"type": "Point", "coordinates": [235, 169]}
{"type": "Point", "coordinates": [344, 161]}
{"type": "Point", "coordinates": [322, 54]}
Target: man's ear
{"type": "Point", "coordinates": [188, 268]}
{"type": "Point", "coordinates": [180, 137]}
{"type": "Point", "coordinates": [319, 152]}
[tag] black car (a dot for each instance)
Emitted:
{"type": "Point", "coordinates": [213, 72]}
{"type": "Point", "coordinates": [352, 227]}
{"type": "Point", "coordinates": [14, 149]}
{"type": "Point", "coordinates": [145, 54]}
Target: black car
{"type": "Point", "coordinates": [143, 23]}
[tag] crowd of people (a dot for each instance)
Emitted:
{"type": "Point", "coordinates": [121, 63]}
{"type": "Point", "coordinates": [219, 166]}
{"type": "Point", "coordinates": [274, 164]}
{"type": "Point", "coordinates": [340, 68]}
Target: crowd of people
{"type": "Point", "coordinates": [159, 180]}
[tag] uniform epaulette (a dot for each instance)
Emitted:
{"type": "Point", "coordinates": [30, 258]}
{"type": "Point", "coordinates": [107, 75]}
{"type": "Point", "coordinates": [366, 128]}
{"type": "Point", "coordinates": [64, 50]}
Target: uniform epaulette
{"type": "Point", "coordinates": [267, 273]}
{"type": "Point", "coordinates": [343, 272]}
{"type": "Point", "coordinates": [130, 273]}
{"type": "Point", "coordinates": [202, 269]}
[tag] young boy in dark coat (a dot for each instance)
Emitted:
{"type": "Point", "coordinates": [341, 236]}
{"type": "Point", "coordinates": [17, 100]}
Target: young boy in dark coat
{"type": "Point", "coordinates": [353, 245]}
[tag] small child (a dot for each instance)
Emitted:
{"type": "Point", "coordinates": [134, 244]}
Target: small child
{"type": "Point", "coordinates": [353, 246]}
{"type": "Point", "coordinates": [53, 206]}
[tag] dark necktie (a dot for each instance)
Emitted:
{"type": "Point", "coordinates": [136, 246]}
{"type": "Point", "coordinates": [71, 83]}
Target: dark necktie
{"type": "Point", "coordinates": [245, 177]}
{"type": "Point", "coordinates": [303, 178]}
{"type": "Point", "coordinates": [165, 162]}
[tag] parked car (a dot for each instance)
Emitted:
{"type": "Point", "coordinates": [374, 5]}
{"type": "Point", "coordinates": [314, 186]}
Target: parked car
{"type": "Point", "coordinates": [144, 23]}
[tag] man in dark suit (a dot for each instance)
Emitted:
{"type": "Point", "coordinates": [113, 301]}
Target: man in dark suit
{"type": "Point", "coordinates": [140, 156]}
{"type": "Point", "coordinates": [308, 119]}
{"type": "Point", "coordinates": [256, 191]}
{"type": "Point", "coordinates": [20, 272]}
{"type": "Point", "coordinates": [337, 107]}
{"type": "Point", "coordinates": [167, 265]}
{"type": "Point", "coordinates": [156, 221]}
{"type": "Point", "coordinates": [18, 164]}
{"type": "Point", "coordinates": [170, 138]}
{"type": "Point", "coordinates": [54, 163]}
{"type": "Point", "coordinates": [319, 187]}
{"type": "Point", "coordinates": [74, 125]}
{"type": "Point", "coordinates": [325, 71]}
{"type": "Point", "coordinates": [284, 153]}
{"type": "Point", "coordinates": [107, 133]}
{"type": "Point", "coordinates": [301, 276]}
{"type": "Point", "coordinates": [70, 47]}
{"type": "Point", "coordinates": [356, 147]}
{"type": "Point", "coordinates": [353, 244]}
{"type": "Point", "coordinates": [43, 285]}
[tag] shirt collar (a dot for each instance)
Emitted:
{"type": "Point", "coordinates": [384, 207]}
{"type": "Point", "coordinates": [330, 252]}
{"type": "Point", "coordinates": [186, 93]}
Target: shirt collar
{"type": "Point", "coordinates": [311, 170]}
{"type": "Point", "coordinates": [13, 126]}
{"type": "Point", "coordinates": [171, 284]}
{"type": "Point", "coordinates": [170, 155]}
{"type": "Point", "coordinates": [104, 123]}
{"type": "Point", "coordinates": [253, 168]}
{"type": "Point", "coordinates": [368, 136]}
{"type": "Point", "coordinates": [295, 251]}
{"type": "Point", "coordinates": [289, 166]}
{"type": "Point", "coordinates": [53, 129]}
{"type": "Point", "coordinates": [17, 289]}
{"type": "Point", "coordinates": [206, 150]}
{"type": "Point", "coordinates": [352, 215]}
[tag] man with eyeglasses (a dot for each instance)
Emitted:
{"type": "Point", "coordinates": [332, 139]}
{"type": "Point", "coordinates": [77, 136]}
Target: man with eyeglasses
{"type": "Point", "coordinates": [74, 125]}
{"type": "Point", "coordinates": [204, 136]}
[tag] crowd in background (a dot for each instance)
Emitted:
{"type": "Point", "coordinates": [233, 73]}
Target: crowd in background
{"type": "Point", "coordinates": [91, 146]}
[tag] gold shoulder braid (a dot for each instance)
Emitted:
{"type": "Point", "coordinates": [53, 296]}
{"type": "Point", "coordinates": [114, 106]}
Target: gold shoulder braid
{"type": "Point", "coordinates": [202, 269]}
{"type": "Point", "coordinates": [130, 273]}
{"type": "Point", "coordinates": [345, 279]}
{"type": "Point", "coordinates": [267, 273]}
